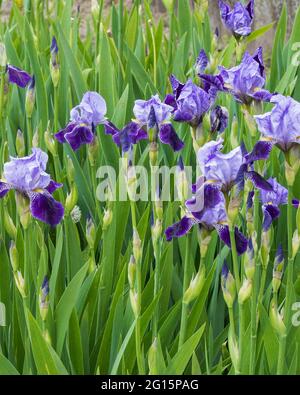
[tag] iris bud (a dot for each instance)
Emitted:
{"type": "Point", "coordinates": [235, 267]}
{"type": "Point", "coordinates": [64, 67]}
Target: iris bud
{"type": "Point", "coordinates": [265, 247]}
{"type": "Point", "coordinates": [91, 264]}
{"type": "Point", "coordinates": [107, 218]}
{"type": "Point", "coordinates": [277, 320]}
{"type": "Point", "coordinates": [204, 238]}
{"type": "Point", "coordinates": [9, 224]}
{"type": "Point", "coordinates": [134, 302]}
{"type": "Point", "coordinates": [23, 204]}
{"type": "Point", "coordinates": [137, 246]}
{"type": "Point", "coordinates": [44, 299]}
{"type": "Point", "coordinates": [20, 283]}
{"type": "Point", "coordinates": [54, 63]}
{"type": "Point", "coordinates": [233, 349]}
{"type": "Point", "coordinates": [50, 142]}
{"type": "Point", "coordinates": [14, 256]}
{"type": "Point", "coordinates": [153, 153]}
{"type": "Point", "coordinates": [71, 199]}
{"type": "Point", "coordinates": [234, 208]}
{"type": "Point", "coordinates": [20, 143]}
{"type": "Point", "coordinates": [234, 135]}
{"type": "Point", "coordinates": [70, 170]}
{"type": "Point", "coordinates": [90, 233]}
{"type": "Point", "coordinates": [93, 151]}
{"type": "Point", "coordinates": [228, 286]}
{"type": "Point", "coordinates": [249, 261]}
{"type": "Point", "coordinates": [295, 243]}
{"type": "Point", "coordinates": [278, 270]}
{"type": "Point", "coordinates": [30, 98]}
{"type": "Point", "coordinates": [195, 287]}
{"type": "Point", "coordinates": [35, 139]}
{"type": "Point", "coordinates": [182, 182]}
{"type": "Point", "coordinates": [156, 230]}
{"type": "Point", "coordinates": [152, 358]}
{"type": "Point", "coordinates": [3, 57]}
{"type": "Point", "coordinates": [131, 272]}
{"type": "Point", "coordinates": [245, 291]}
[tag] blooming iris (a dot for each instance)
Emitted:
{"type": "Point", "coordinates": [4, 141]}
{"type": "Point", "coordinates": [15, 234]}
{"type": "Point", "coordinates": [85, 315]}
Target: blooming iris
{"type": "Point", "coordinates": [189, 102]}
{"type": "Point", "coordinates": [126, 137]}
{"type": "Point", "coordinates": [239, 19]}
{"type": "Point", "coordinates": [271, 201]}
{"type": "Point", "coordinates": [207, 209]}
{"type": "Point", "coordinates": [245, 81]}
{"type": "Point", "coordinates": [153, 112]}
{"type": "Point", "coordinates": [27, 176]}
{"type": "Point", "coordinates": [281, 125]}
{"type": "Point", "coordinates": [83, 119]}
{"type": "Point", "coordinates": [17, 76]}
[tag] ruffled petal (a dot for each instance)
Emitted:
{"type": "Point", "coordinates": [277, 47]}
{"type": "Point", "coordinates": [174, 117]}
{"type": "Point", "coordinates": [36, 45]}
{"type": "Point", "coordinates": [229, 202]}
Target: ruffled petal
{"type": "Point", "coordinates": [168, 136]}
{"type": "Point", "coordinates": [4, 188]}
{"type": "Point", "coordinates": [261, 151]}
{"type": "Point", "coordinates": [45, 208]}
{"type": "Point", "coordinates": [240, 240]}
{"type": "Point", "coordinates": [80, 134]}
{"type": "Point", "coordinates": [180, 228]}
{"type": "Point", "coordinates": [258, 181]}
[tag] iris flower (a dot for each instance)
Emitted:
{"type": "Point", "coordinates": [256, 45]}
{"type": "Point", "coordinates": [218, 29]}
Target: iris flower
{"type": "Point", "coordinates": [28, 177]}
{"type": "Point", "coordinates": [83, 120]}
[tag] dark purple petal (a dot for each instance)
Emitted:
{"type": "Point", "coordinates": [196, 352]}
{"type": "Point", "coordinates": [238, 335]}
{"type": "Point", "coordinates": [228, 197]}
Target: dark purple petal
{"type": "Point", "coordinates": [152, 121]}
{"type": "Point", "coordinates": [215, 81]}
{"type": "Point", "coordinates": [240, 179]}
{"type": "Point", "coordinates": [180, 228]}
{"type": "Point", "coordinates": [262, 95]}
{"type": "Point", "coordinates": [271, 212]}
{"type": "Point", "coordinates": [258, 181]}
{"type": "Point", "coordinates": [135, 132]}
{"type": "Point", "coordinates": [53, 186]}
{"type": "Point", "coordinates": [170, 100]}
{"type": "Point", "coordinates": [250, 200]}
{"type": "Point", "coordinates": [180, 163]}
{"type": "Point", "coordinates": [261, 151]}
{"type": "Point", "coordinates": [296, 203]}
{"type": "Point", "coordinates": [240, 240]}
{"type": "Point", "coordinates": [54, 46]}
{"type": "Point", "coordinates": [177, 86]}
{"type": "Point", "coordinates": [80, 134]}
{"type": "Point", "coordinates": [258, 57]}
{"type": "Point", "coordinates": [218, 119]}
{"type": "Point", "coordinates": [18, 76]}
{"type": "Point", "coordinates": [45, 208]}
{"type": "Point", "coordinates": [168, 136]}
{"type": "Point", "coordinates": [110, 128]}
{"type": "Point", "coordinates": [4, 188]}
{"type": "Point", "coordinates": [250, 8]}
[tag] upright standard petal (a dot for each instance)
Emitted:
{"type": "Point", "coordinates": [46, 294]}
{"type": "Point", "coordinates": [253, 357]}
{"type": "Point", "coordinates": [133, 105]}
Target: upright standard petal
{"type": "Point", "coordinates": [18, 76]}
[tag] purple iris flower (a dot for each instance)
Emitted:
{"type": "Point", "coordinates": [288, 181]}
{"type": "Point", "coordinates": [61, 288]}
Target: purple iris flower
{"type": "Point", "coordinates": [153, 112]}
{"type": "Point", "coordinates": [245, 81]}
{"type": "Point", "coordinates": [238, 20]}
{"type": "Point", "coordinates": [190, 102]}
{"type": "Point", "coordinates": [17, 76]}
{"type": "Point", "coordinates": [202, 62]}
{"type": "Point", "coordinates": [218, 119]}
{"type": "Point", "coordinates": [217, 167]}
{"type": "Point", "coordinates": [28, 177]}
{"type": "Point", "coordinates": [271, 201]}
{"type": "Point", "coordinates": [207, 209]}
{"type": "Point", "coordinates": [83, 119]}
{"type": "Point", "coordinates": [281, 125]}
{"type": "Point", "coordinates": [126, 137]}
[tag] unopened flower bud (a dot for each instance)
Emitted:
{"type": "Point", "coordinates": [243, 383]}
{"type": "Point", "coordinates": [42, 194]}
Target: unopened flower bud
{"type": "Point", "coordinates": [9, 225]}
{"type": "Point", "coordinates": [245, 291]}
{"type": "Point", "coordinates": [153, 358]}
{"type": "Point", "coordinates": [265, 247]}
{"type": "Point", "coordinates": [54, 63]}
{"type": "Point", "coordinates": [228, 286]}
{"type": "Point", "coordinates": [35, 139]}
{"type": "Point", "coordinates": [182, 184]}
{"type": "Point", "coordinates": [3, 57]}
{"type": "Point", "coordinates": [91, 264]}
{"type": "Point", "coordinates": [233, 349]}
{"type": "Point", "coordinates": [50, 142]}
{"type": "Point", "coordinates": [250, 261]}
{"type": "Point", "coordinates": [134, 302]}
{"type": "Point", "coordinates": [107, 218]}
{"type": "Point", "coordinates": [71, 199]}
{"type": "Point", "coordinates": [234, 135]}
{"type": "Point", "coordinates": [153, 153]}
{"type": "Point", "coordinates": [14, 256]}
{"type": "Point", "coordinates": [44, 299]}
{"type": "Point", "coordinates": [137, 246]}
{"type": "Point", "coordinates": [20, 283]}
{"type": "Point", "coordinates": [234, 208]}
{"type": "Point", "coordinates": [90, 233]}
{"type": "Point", "coordinates": [156, 230]}
{"type": "Point", "coordinates": [276, 319]}
{"type": "Point", "coordinates": [131, 272]}
{"type": "Point", "coordinates": [204, 239]}
{"type": "Point", "coordinates": [70, 170]}
{"type": "Point", "coordinates": [195, 287]}
{"type": "Point", "coordinates": [296, 243]}
{"type": "Point", "coordinates": [20, 143]}
{"type": "Point", "coordinates": [93, 151]}
{"type": "Point", "coordinates": [23, 207]}
{"type": "Point", "coordinates": [30, 98]}
{"type": "Point", "coordinates": [278, 269]}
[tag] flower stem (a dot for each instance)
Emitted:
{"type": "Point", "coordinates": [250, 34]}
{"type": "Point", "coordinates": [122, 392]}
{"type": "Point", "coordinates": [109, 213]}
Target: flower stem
{"type": "Point", "coordinates": [241, 330]}
{"type": "Point", "coordinates": [234, 258]}
{"type": "Point", "coordinates": [184, 309]}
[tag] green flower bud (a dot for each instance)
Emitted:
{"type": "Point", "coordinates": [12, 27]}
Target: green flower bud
{"type": "Point", "coordinates": [204, 239]}
{"type": "Point", "coordinates": [3, 57]}
{"type": "Point", "coordinates": [266, 243]}
{"type": "Point", "coordinates": [20, 283]}
{"type": "Point", "coordinates": [44, 299]}
{"type": "Point", "coordinates": [156, 231]}
{"type": "Point", "coordinates": [249, 263]}
{"type": "Point", "coordinates": [131, 272]}
{"type": "Point", "coordinates": [153, 358]}
{"type": "Point", "coordinates": [70, 170]}
{"type": "Point", "coordinates": [9, 224]}
{"type": "Point", "coordinates": [234, 135]}
{"type": "Point", "coordinates": [245, 291]}
{"type": "Point", "coordinates": [278, 270]}
{"type": "Point", "coordinates": [90, 233]}
{"type": "Point", "coordinates": [107, 219]}
{"type": "Point", "coordinates": [71, 199]}
{"type": "Point", "coordinates": [153, 153]}
{"type": "Point", "coordinates": [91, 264]}
{"type": "Point", "coordinates": [182, 184]}
{"type": "Point", "coordinates": [228, 286]}
{"type": "Point", "coordinates": [93, 151]}
{"type": "Point", "coordinates": [20, 143]}
{"type": "Point", "coordinates": [277, 320]}
{"type": "Point", "coordinates": [35, 139]}
{"type": "Point", "coordinates": [134, 302]}
{"type": "Point", "coordinates": [296, 243]}
{"type": "Point", "coordinates": [50, 142]}
{"type": "Point", "coordinates": [233, 350]}
{"type": "Point", "coordinates": [195, 287]}
{"type": "Point", "coordinates": [234, 208]}
{"type": "Point", "coordinates": [23, 208]}
{"type": "Point", "coordinates": [30, 98]}
{"type": "Point", "coordinates": [14, 256]}
{"type": "Point", "coordinates": [137, 246]}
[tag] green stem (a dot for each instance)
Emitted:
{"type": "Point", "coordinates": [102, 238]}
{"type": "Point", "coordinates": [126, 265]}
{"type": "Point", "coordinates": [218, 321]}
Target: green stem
{"type": "Point", "coordinates": [241, 330]}
{"type": "Point", "coordinates": [184, 309]}
{"type": "Point", "coordinates": [234, 258]}
{"type": "Point", "coordinates": [262, 284]}
{"type": "Point", "coordinates": [281, 355]}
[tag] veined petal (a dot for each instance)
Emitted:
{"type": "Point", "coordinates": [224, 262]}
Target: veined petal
{"type": "Point", "coordinates": [4, 188]}
{"type": "Point", "coordinates": [240, 240]}
{"type": "Point", "coordinates": [45, 208]}
{"type": "Point", "coordinates": [180, 228]}
{"type": "Point", "coordinates": [168, 136]}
